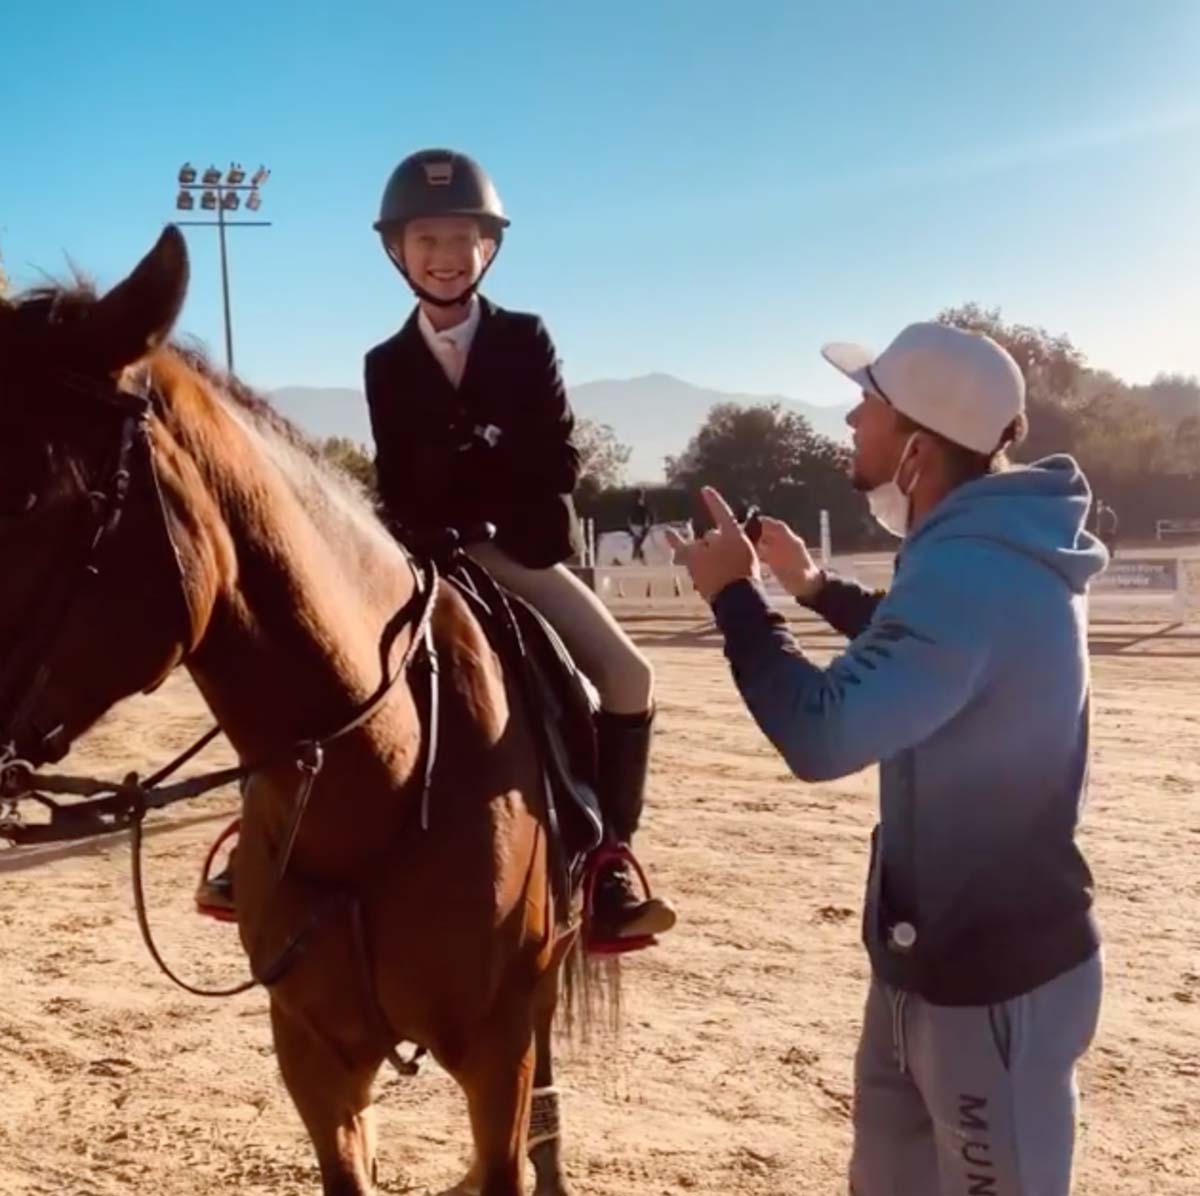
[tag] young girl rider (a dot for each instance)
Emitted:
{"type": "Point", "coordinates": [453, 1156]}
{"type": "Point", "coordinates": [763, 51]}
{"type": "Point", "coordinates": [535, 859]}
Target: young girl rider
{"type": "Point", "coordinates": [472, 424]}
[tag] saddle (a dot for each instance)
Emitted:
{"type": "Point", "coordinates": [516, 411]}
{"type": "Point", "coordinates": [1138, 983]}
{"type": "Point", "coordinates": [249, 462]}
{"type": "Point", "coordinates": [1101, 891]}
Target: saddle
{"type": "Point", "coordinates": [562, 705]}
{"type": "Point", "coordinates": [560, 701]}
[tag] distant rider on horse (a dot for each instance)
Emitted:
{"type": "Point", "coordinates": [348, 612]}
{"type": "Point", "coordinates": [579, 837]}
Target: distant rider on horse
{"type": "Point", "coordinates": [641, 520]}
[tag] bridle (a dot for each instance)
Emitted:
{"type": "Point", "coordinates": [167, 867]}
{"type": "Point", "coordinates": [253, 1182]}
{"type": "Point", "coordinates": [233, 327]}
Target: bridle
{"type": "Point", "coordinates": [26, 672]}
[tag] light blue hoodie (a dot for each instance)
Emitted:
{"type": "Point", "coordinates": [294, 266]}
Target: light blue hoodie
{"type": "Point", "coordinates": [969, 685]}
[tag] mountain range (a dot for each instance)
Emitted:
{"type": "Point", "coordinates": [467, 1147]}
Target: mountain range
{"type": "Point", "coordinates": [656, 414]}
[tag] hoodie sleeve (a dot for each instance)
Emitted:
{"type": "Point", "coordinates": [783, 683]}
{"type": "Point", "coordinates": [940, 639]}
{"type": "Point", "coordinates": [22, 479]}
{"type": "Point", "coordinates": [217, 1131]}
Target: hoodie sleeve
{"type": "Point", "coordinates": [845, 605]}
{"type": "Point", "coordinates": [914, 667]}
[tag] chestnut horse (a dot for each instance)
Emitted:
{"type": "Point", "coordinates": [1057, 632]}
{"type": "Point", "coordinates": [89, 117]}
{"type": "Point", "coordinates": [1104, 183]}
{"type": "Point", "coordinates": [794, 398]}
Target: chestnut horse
{"type": "Point", "coordinates": [234, 552]}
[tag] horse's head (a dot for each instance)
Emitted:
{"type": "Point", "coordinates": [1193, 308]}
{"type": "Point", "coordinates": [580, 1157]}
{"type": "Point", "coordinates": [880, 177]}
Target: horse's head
{"type": "Point", "coordinates": [90, 609]}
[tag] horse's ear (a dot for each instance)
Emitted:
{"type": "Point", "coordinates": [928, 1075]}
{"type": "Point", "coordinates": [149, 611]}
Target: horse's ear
{"type": "Point", "coordinates": [137, 315]}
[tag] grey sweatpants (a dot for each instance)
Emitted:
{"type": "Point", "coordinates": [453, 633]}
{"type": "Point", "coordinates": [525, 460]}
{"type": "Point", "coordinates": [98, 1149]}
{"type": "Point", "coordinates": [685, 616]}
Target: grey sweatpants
{"type": "Point", "coordinates": [971, 1100]}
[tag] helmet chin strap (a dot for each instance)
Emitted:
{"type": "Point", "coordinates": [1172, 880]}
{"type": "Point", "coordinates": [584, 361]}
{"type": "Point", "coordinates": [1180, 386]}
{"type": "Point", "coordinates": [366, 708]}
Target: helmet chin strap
{"type": "Point", "coordinates": [436, 300]}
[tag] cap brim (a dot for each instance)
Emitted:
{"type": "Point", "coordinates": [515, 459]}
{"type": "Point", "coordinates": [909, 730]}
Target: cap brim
{"type": "Point", "coordinates": [851, 360]}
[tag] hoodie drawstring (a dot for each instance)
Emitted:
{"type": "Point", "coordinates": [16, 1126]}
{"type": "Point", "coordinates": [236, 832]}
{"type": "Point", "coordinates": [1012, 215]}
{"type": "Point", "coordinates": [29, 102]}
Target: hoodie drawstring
{"type": "Point", "coordinates": [899, 1040]}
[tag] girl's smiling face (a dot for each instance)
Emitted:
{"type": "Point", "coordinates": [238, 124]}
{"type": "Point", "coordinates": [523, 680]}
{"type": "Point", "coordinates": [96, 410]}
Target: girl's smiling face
{"type": "Point", "coordinates": [445, 255]}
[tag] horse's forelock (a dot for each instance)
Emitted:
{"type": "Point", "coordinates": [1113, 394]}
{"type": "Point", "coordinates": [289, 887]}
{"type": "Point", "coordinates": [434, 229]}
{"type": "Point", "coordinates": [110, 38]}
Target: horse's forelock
{"type": "Point", "coordinates": [31, 323]}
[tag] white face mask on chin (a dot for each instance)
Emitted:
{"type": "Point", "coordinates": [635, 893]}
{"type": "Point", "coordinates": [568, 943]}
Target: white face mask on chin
{"type": "Point", "coordinates": [891, 506]}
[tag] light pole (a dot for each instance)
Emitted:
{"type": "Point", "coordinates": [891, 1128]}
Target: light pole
{"type": "Point", "coordinates": [222, 195]}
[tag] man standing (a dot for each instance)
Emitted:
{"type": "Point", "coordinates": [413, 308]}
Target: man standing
{"type": "Point", "coordinates": [968, 683]}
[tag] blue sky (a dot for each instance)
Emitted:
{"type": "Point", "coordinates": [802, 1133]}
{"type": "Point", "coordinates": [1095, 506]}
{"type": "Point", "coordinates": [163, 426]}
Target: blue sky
{"type": "Point", "coordinates": [702, 188]}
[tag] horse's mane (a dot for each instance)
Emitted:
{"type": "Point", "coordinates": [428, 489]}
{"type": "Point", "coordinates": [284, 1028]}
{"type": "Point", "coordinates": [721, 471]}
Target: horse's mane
{"type": "Point", "coordinates": [257, 406]}
{"type": "Point", "coordinates": [322, 487]}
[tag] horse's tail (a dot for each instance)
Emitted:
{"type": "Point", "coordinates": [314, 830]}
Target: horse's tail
{"type": "Point", "coordinates": [591, 992]}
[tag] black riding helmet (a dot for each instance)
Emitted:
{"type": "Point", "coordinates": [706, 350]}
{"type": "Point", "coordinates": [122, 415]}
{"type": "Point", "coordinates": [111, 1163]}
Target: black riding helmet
{"type": "Point", "coordinates": [439, 182]}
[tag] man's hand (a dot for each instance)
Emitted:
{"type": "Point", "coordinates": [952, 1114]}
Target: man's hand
{"type": "Point", "coordinates": [787, 556]}
{"type": "Point", "coordinates": [722, 557]}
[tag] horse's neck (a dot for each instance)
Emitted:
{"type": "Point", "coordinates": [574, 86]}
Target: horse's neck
{"type": "Point", "coordinates": [299, 630]}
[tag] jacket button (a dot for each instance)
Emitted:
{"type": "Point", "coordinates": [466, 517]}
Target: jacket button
{"type": "Point", "coordinates": [902, 937]}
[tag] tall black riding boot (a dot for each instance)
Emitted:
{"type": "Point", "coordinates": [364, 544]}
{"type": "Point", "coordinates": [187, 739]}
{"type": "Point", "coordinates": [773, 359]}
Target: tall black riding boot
{"type": "Point", "coordinates": [621, 910]}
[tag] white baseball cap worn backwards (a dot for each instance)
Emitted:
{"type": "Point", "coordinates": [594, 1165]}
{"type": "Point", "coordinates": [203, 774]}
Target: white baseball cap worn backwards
{"type": "Point", "coordinates": [961, 385]}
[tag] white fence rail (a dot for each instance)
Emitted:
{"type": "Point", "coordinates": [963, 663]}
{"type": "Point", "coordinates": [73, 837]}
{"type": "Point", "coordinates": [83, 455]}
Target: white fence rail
{"type": "Point", "coordinates": [1165, 529]}
{"type": "Point", "coordinates": [1129, 582]}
